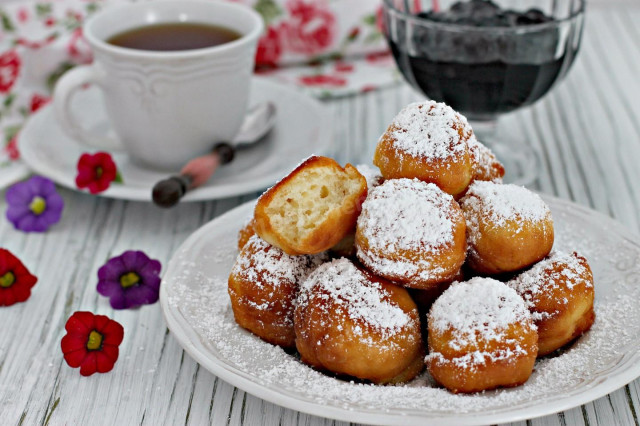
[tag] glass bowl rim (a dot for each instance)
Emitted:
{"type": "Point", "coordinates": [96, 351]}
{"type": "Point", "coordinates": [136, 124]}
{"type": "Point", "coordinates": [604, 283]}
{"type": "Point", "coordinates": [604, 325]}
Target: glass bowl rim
{"type": "Point", "coordinates": [390, 8]}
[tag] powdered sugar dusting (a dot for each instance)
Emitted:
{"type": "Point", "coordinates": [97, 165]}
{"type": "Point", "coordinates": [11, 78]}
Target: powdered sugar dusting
{"type": "Point", "coordinates": [478, 310]}
{"type": "Point", "coordinates": [484, 160]}
{"type": "Point", "coordinates": [348, 290]}
{"type": "Point", "coordinates": [405, 214]}
{"type": "Point", "coordinates": [559, 270]}
{"type": "Point", "coordinates": [430, 130]}
{"type": "Point", "coordinates": [264, 263]}
{"type": "Point", "coordinates": [195, 300]}
{"type": "Point", "coordinates": [497, 204]}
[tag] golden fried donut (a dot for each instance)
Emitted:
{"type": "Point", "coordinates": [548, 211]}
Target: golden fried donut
{"type": "Point", "coordinates": [263, 285]}
{"type": "Point", "coordinates": [485, 164]}
{"type": "Point", "coordinates": [312, 208]}
{"type": "Point", "coordinates": [559, 292]}
{"type": "Point", "coordinates": [508, 227]}
{"type": "Point", "coordinates": [411, 232]}
{"type": "Point", "coordinates": [246, 232]}
{"type": "Point", "coordinates": [350, 322]}
{"type": "Point", "coordinates": [481, 336]}
{"type": "Point", "coordinates": [428, 141]}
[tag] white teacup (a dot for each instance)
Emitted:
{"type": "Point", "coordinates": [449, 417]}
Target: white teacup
{"type": "Point", "coordinates": [165, 107]}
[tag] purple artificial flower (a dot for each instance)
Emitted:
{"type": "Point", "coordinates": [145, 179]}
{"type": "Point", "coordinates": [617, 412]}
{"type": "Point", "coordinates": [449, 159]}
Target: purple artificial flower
{"type": "Point", "coordinates": [34, 204]}
{"type": "Point", "coordinates": [130, 280]}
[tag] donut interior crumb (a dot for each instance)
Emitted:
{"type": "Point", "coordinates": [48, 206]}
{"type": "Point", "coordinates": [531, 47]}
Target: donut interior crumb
{"type": "Point", "coordinates": [309, 198]}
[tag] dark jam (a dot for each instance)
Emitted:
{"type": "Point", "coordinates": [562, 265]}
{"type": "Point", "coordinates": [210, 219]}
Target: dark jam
{"type": "Point", "coordinates": [480, 73]}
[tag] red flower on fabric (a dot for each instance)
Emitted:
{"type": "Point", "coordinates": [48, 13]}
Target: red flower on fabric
{"type": "Point", "coordinates": [323, 80]}
{"type": "Point", "coordinates": [311, 27]}
{"type": "Point", "coordinates": [96, 172]}
{"type": "Point", "coordinates": [15, 279]}
{"type": "Point", "coordinates": [269, 48]}
{"type": "Point", "coordinates": [12, 148]}
{"type": "Point", "coordinates": [9, 69]}
{"type": "Point", "coordinates": [379, 58]}
{"type": "Point", "coordinates": [38, 101]}
{"type": "Point", "coordinates": [23, 14]}
{"type": "Point", "coordinates": [344, 67]}
{"type": "Point", "coordinates": [91, 342]}
{"type": "Point", "coordinates": [78, 47]}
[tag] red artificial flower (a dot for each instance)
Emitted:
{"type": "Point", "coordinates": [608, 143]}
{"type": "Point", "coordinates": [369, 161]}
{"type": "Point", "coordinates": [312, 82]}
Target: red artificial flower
{"type": "Point", "coordinates": [91, 342]}
{"type": "Point", "coordinates": [96, 172]}
{"type": "Point", "coordinates": [311, 27]}
{"type": "Point", "coordinates": [269, 48]}
{"type": "Point", "coordinates": [38, 101]}
{"type": "Point", "coordinates": [322, 80]}
{"type": "Point", "coordinates": [9, 70]}
{"type": "Point", "coordinates": [15, 280]}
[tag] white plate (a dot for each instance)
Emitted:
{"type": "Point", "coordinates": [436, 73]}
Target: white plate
{"type": "Point", "coordinates": [196, 305]}
{"type": "Point", "coordinates": [302, 128]}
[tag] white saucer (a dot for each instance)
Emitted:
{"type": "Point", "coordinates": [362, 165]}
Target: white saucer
{"type": "Point", "coordinates": [302, 128]}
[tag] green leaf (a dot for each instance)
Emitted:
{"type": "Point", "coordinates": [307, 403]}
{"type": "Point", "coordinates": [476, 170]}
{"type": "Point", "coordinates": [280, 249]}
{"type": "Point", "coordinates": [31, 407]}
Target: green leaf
{"type": "Point", "coordinates": [43, 10]}
{"type": "Point", "coordinates": [7, 25]}
{"type": "Point", "coordinates": [52, 79]}
{"type": "Point", "coordinates": [118, 178]}
{"type": "Point", "coordinates": [92, 7]}
{"type": "Point", "coordinates": [268, 9]}
{"type": "Point", "coordinates": [8, 101]}
{"type": "Point", "coordinates": [10, 132]}
{"type": "Point", "coordinates": [369, 19]}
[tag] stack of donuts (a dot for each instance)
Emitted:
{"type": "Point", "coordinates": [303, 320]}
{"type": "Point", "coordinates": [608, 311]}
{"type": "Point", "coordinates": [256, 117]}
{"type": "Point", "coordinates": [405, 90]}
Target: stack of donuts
{"type": "Point", "coordinates": [428, 261]}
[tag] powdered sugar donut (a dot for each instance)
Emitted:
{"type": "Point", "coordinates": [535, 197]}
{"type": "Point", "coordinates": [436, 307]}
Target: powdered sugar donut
{"type": "Point", "coordinates": [485, 164]}
{"type": "Point", "coordinates": [481, 336]}
{"type": "Point", "coordinates": [428, 141]}
{"type": "Point", "coordinates": [349, 322]}
{"type": "Point", "coordinates": [411, 232]}
{"type": "Point", "coordinates": [508, 227]}
{"type": "Point", "coordinates": [559, 292]}
{"type": "Point", "coordinates": [263, 285]}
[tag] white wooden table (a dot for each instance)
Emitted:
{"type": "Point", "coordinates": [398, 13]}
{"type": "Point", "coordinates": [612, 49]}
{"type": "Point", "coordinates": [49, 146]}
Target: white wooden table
{"type": "Point", "coordinates": [588, 130]}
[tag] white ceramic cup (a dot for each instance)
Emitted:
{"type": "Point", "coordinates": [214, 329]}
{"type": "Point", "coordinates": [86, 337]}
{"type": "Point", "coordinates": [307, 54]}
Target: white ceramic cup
{"type": "Point", "coordinates": [165, 107]}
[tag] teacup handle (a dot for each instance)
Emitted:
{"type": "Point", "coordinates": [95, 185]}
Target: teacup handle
{"type": "Point", "coordinates": [65, 89]}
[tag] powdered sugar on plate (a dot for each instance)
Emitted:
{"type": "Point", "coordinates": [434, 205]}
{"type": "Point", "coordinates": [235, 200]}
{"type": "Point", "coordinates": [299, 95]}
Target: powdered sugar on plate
{"type": "Point", "coordinates": [195, 301]}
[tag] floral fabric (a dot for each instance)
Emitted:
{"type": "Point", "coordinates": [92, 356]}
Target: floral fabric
{"type": "Point", "coordinates": [326, 47]}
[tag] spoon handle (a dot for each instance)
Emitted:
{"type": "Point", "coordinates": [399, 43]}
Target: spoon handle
{"type": "Point", "coordinates": [168, 192]}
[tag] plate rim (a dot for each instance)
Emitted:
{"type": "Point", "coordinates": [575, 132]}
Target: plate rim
{"type": "Point", "coordinates": [206, 193]}
{"type": "Point", "coordinates": [241, 380]}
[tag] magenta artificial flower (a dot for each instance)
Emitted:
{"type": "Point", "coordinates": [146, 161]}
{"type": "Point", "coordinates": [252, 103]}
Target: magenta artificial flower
{"type": "Point", "coordinates": [34, 204]}
{"type": "Point", "coordinates": [130, 280]}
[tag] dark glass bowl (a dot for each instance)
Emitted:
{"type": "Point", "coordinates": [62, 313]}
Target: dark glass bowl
{"type": "Point", "coordinates": [483, 71]}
